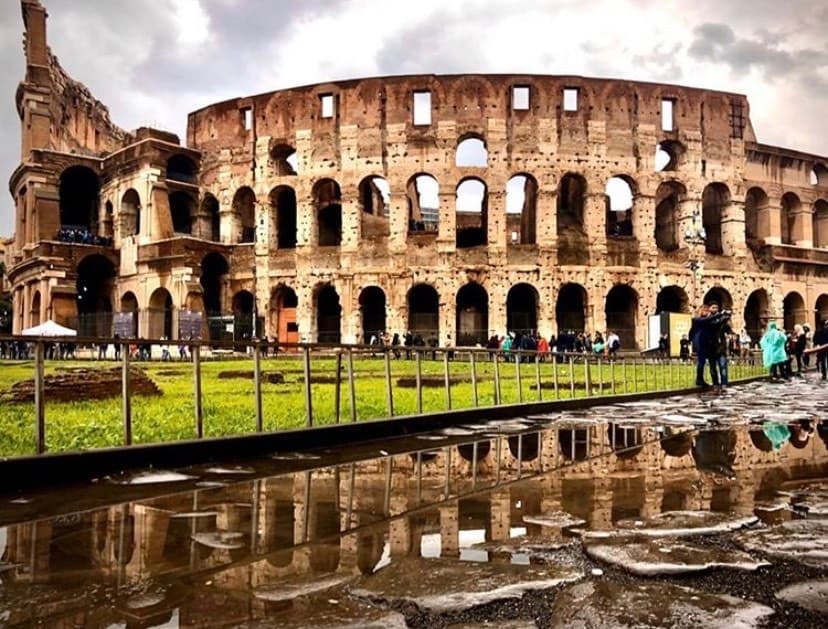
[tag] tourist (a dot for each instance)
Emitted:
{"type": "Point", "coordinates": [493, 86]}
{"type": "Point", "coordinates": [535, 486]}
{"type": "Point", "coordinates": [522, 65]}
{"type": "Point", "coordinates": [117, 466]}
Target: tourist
{"type": "Point", "coordinates": [684, 348]}
{"type": "Point", "coordinates": [506, 347]}
{"type": "Point", "coordinates": [774, 357]}
{"type": "Point", "coordinates": [165, 350]}
{"type": "Point", "coordinates": [806, 357]}
{"type": "Point", "coordinates": [182, 351]}
{"type": "Point", "coordinates": [798, 342]}
{"type": "Point", "coordinates": [613, 343]}
{"type": "Point", "coordinates": [493, 344]}
{"type": "Point", "coordinates": [598, 345]}
{"type": "Point", "coordinates": [720, 333]}
{"type": "Point", "coordinates": [102, 349]}
{"type": "Point", "coordinates": [821, 349]}
{"type": "Point", "coordinates": [663, 346]}
{"type": "Point", "coordinates": [395, 344]}
{"type": "Point", "coordinates": [408, 342]}
{"type": "Point", "coordinates": [744, 343]}
{"type": "Point", "coordinates": [703, 336]}
{"type": "Point", "coordinates": [543, 348]}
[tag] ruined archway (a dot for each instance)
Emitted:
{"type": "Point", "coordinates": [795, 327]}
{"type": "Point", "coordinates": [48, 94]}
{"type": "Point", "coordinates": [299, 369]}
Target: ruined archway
{"type": "Point", "coordinates": [670, 155]}
{"type": "Point", "coordinates": [757, 217]}
{"type": "Point", "coordinates": [96, 278]}
{"type": "Point", "coordinates": [182, 168]}
{"type": "Point", "coordinates": [283, 305]}
{"type": "Point", "coordinates": [182, 207]}
{"type": "Point", "coordinates": [244, 306]}
{"type": "Point", "coordinates": [34, 309]}
{"type": "Point", "coordinates": [130, 214]}
{"type": "Point", "coordinates": [424, 311]}
{"type": "Point", "coordinates": [715, 201]}
{"type": "Point", "coordinates": [571, 232]}
{"type": "Point", "coordinates": [672, 299]}
{"type": "Point", "coordinates": [214, 270]}
{"type": "Point", "coordinates": [620, 194]}
{"type": "Point", "coordinates": [372, 308]}
{"type": "Point", "coordinates": [570, 308]}
{"type": "Point", "coordinates": [160, 315]}
{"type": "Point", "coordinates": [793, 310]}
{"type": "Point", "coordinates": [521, 209]}
{"type": "Point", "coordinates": [522, 309]}
{"type": "Point", "coordinates": [423, 196]}
{"type": "Point", "coordinates": [284, 160]}
{"type": "Point", "coordinates": [210, 218]}
{"type": "Point", "coordinates": [375, 202]}
{"type": "Point", "coordinates": [574, 443]}
{"type": "Point", "coordinates": [621, 311]}
{"type": "Point", "coordinates": [79, 190]}
{"type": "Point", "coordinates": [756, 314]}
{"type": "Point", "coordinates": [790, 220]}
{"type": "Point", "coordinates": [626, 441]}
{"type": "Point", "coordinates": [327, 198]}
{"type": "Point", "coordinates": [472, 314]}
{"type": "Point", "coordinates": [244, 215]}
{"type": "Point", "coordinates": [719, 295]}
{"type": "Point", "coordinates": [820, 223]}
{"type": "Point", "coordinates": [669, 196]}
{"type": "Point", "coordinates": [129, 305]}
{"type": "Point", "coordinates": [471, 152]}
{"type": "Point", "coordinates": [328, 314]}
{"type": "Point", "coordinates": [283, 208]}
{"type": "Point", "coordinates": [472, 213]}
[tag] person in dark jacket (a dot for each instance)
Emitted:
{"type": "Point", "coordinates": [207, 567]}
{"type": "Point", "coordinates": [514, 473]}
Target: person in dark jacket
{"type": "Point", "coordinates": [703, 336]}
{"type": "Point", "coordinates": [821, 338]}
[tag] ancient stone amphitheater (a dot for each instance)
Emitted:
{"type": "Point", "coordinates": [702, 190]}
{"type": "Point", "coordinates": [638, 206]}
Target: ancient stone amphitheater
{"type": "Point", "coordinates": [453, 206]}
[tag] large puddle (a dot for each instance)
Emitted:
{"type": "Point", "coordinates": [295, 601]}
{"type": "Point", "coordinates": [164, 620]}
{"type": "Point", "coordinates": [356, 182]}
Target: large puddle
{"type": "Point", "coordinates": [703, 510]}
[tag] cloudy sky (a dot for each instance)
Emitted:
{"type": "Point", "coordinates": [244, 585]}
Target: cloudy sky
{"type": "Point", "coordinates": [153, 61]}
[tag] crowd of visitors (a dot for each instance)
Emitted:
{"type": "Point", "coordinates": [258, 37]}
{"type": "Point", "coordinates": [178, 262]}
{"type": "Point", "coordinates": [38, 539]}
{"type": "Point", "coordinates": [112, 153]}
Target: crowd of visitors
{"type": "Point", "coordinates": [82, 237]}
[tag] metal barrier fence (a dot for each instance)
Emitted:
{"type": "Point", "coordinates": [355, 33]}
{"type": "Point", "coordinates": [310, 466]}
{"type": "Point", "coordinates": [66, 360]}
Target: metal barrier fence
{"type": "Point", "coordinates": [467, 377]}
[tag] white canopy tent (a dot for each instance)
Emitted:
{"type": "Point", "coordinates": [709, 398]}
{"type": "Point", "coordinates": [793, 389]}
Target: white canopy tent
{"type": "Point", "coordinates": [49, 328]}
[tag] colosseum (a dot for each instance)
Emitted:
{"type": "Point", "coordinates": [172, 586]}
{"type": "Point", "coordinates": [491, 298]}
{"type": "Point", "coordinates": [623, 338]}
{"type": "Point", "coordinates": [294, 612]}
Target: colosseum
{"type": "Point", "coordinates": [454, 206]}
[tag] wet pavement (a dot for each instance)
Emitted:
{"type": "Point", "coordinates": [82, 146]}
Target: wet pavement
{"type": "Point", "coordinates": [696, 511]}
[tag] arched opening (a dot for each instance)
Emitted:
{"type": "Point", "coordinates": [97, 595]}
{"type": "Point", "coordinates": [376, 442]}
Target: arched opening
{"type": "Point", "coordinates": [96, 277]}
{"type": "Point", "coordinates": [375, 200]}
{"type": "Point", "coordinates": [626, 441]}
{"type": "Point", "coordinates": [328, 315]}
{"type": "Point", "coordinates": [472, 213]}
{"type": "Point", "coordinates": [619, 193]}
{"type": "Point", "coordinates": [574, 443]}
{"type": "Point", "coordinates": [522, 309]}
{"type": "Point", "coordinates": [718, 295]}
{"type": "Point", "coordinates": [423, 195]}
{"type": "Point", "coordinates": [621, 312]}
{"type": "Point", "coordinates": [715, 200]}
{"type": "Point", "coordinates": [756, 314]}
{"type": "Point", "coordinates": [672, 299]}
{"type": "Point", "coordinates": [160, 314]}
{"type": "Point", "coordinates": [521, 209]}
{"type": "Point", "coordinates": [327, 197]}
{"type": "Point", "coordinates": [472, 314]}
{"type": "Point", "coordinates": [372, 309]}
{"type": "Point", "coordinates": [423, 311]}
{"type": "Point", "coordinates": [471, 152]}
{"type": "Point", "coordinates": [527, 446]}
{"type": "Point", "coordinates": [570, 309]}
{"type": "Point", "coordinates": [467, 450]}
{"type": "Point", "coordinates": [819, 175]}
{"type": "Point", "coordinates": [181, 212]}
{"type": "Point", "coordinates": [129, 305]}
{"type": "Point", "coordinates": [669, 156]}
{"type": "Point", "coordinates": [669, 196]}
{"type": "Point", "coordinates": [572, 239]}
{"type": "Point", "coordinates": [756, 217]}
{"type": "Point", "coordinates": [283, 304]}
{"type": "Point", "coordinates": [107, 227]}
{"type": "Point", "coordinates": [284, 160]}
{"type": "Point", "coordinates": [283, 206]}
{"type": "Point", "coordinates": [678, 444]}
{"type": "Point", "coordinates": [130, 214]}
{"type": "Point", "coordinates": [214, 270]}
{"type": "Point", "coordinates": [34, 310]}
{"type": "Point", "coordinates": [243, 319]}
{"type": "Point", "coordinates": [182, 168]}
{"type": "Point", "coordinates": [821, 310]}
{"type": "Point", "coordinates": [211, 228]}
{"type": "Point", "coordinates": [244, 215]}
{"type": "Point", "coordinates": [79, 189]}
{"type": "Point", "coordinates": [793, 309]}
{"type": "Point", "coordinates": [790, 221]}
{"type": "Point", "coordinates": [820, 223]}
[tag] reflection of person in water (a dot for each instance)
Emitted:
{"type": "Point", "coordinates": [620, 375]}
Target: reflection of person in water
{"type": "Point", "coordinates": [822, 431]}
{"type": "Point", "coordinates": [714, 451]}
{"type": "Point", "coordinates": [801, 432]}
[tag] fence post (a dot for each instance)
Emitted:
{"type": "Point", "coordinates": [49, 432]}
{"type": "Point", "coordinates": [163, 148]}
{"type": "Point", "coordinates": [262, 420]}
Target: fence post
{"type": "Point", "coordinates": [624, 376]}
{"type": "Point", "coordinates": [496, 379]}
{"type": "Point", "coordinates": [600, 377]}
{"type": "Point", "coordinates": [306, 365]}
{"type": "Point", "coordinates": [199, 411]}
{"type": "Point", "coordinates": [389, 393]}
{"type": "Point", "coordinates": [126, 396]}
{"type": "Point", "coordinates": [519, 381]}
{"type": "Point", "coordinates": [447, 377]}
{"type": "Point", "coordinates": [587, 376]}
{"type": "Point", "coordinates": [40, 403]}
{"type": "Point", "coordinates": [338, 388]}
{"type": "Point", "coordinates": [635, 374]}
{"type": "Point", "coordinates": [419, 380]}
{"type": "Point", "coordinates": [352, 386]}
{"type": "Point", "coordinates": [538, 377]}
{"type": "Point", "coordinates": [257, 383]}
{"type": "Point", "coordinates": [473, 366]}
{"type": "Point", "coordinates": [571, 377]}
{"type": "Point", "coordinates": [555, 376]}
{"type": "Point", "coordinates": [612, 375]}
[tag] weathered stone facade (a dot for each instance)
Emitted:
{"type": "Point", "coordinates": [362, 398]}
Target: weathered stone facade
{"type": "Point", "coordinates": [315, 209]}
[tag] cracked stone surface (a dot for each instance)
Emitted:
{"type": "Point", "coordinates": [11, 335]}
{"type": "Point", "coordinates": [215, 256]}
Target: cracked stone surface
{"type": "Point", "coordinates": [653, 557]}
{"type": "Point", "coordinates": [805, 541]}
{"type": "Point", "coordinates": [613, 605]}
{"type": "Point", "coordinates": [446, 585]}
{"type": "Point", "coordinates": [676, 524]}
{"type": "Point", "coordinates": [812, 595]}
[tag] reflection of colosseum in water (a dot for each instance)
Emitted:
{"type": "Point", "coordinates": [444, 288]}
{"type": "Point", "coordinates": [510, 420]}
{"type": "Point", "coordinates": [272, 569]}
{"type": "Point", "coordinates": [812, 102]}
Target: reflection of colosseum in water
{"type": "Point", "coordinates": [452, 205]}
{"type": "Point", "coordinates": [350, 519]}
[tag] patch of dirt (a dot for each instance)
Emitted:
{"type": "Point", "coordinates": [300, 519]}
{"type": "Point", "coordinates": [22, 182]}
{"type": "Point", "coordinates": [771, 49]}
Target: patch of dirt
{"type": "Point", "coordinates": [272, 377]}
{"type": "Point", "coordinates": [71, 385]}
{"type": "Point", "coordinates": [430, 381]}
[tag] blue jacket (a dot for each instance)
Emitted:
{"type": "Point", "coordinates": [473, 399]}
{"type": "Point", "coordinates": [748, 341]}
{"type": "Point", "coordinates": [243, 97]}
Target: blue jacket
{"type": "Point", "coordinates": [704, 332]}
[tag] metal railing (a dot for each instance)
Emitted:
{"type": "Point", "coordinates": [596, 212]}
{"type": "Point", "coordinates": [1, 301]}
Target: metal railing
{"type": "Point", "coordinates": [439, 379]}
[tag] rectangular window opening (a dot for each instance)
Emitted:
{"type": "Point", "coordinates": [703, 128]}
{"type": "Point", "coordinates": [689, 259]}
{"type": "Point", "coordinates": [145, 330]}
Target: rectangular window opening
{"type": "Point", "coordinates": [570, 99]}
{"type": "Point", "coordinates": [667, 120]}
{"type": "Point", "coordinates": [247, 118]}
{"type": "Point", "coordinates": [520, 98]}
{"type": "Point", "coordinates": [422, 108]}
{"type": "Point", "coordinates": [327, 104]}
{"type": "Point", "coordinates": [737, 120]}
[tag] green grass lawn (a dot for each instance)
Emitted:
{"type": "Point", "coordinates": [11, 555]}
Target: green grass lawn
{"type": "Point", "coordinates": [229, 404]}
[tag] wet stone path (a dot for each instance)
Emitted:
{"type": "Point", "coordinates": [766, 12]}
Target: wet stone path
{"type": "Point", "coordinates": [708, 510]}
